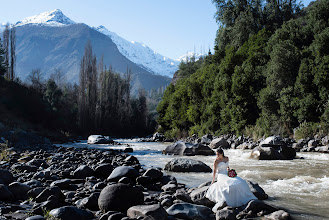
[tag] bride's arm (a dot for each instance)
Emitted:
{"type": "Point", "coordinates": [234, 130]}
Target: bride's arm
{"type": "Point", "coordinates": [214, 172]}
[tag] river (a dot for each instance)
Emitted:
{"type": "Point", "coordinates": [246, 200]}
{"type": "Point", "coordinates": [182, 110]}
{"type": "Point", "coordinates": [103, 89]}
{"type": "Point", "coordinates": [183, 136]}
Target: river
{"type": "Point", "coordinates": [300, 186]}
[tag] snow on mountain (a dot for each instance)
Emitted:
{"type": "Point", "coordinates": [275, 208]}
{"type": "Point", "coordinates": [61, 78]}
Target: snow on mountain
{"type": "Point", "coordinates": [189, 55]}
{"type": "Point", "coordinates": [50, 18]}
{"type": "Point", "coordinates": [142, 55]}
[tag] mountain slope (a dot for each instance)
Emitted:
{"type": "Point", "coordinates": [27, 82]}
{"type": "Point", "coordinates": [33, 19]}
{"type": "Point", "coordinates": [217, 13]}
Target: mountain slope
{"type": "Point", "coordinates": [142, 55]}
{"type": "Point", "coordinates": [49, 47]}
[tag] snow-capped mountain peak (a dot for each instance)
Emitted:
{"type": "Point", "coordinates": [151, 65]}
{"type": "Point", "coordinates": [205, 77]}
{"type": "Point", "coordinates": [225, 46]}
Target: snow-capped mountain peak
{"type": "Point", "coordinates": [189, 56]}
{"type": "Point", "coordinates": [51, 18]}
{"type": "Point", "coordinates": [142, 55]}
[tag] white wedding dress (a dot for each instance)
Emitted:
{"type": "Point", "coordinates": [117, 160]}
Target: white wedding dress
{"type": "Point", "coordinates": [232, 190]}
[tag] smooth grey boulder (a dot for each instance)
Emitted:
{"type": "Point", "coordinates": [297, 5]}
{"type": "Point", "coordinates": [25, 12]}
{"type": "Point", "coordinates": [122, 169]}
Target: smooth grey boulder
{"type": "Point", "coordinates": [103, 170]}
{"type": "Point", "coordinates": [51, 191]}
{"type": "Point", "coordinates": [82, 172]}
{"type": "Point", "coordinates": [6, 177]}
{"type": "Point", "coordinates": [5, 193]}
{"type": "Point", "coordinates": [188, 149]}
{"type": "Point", "coordinates": [190, 211]}
{"type": "Point", "coordinates": [206, 139]}
{"type": "Point", "coordinates": [63, 183]}
{"type": "Point", "coordinates": [70, 213]}
{"type": "Point", "coordinates": [273, 153]}
{"type": "Point", "coordinates": [272, 140]}
{"type": "Point", "coordinates": [123, 171]}
{"type": "Point", "coordinates": [119, 197]}
{"type": "Point", "coordinates": [19, 190]}
{"type": "Point", "coordinates": [257, 190]}
{"type": "Point", "coordinates": [99, 139]}
{"type": "Point", "coordinates": [154, 174]}
{"type": "Point", "coordinates": [36, 217]}
{"type": "Point", "coordinates": [198, 196]}
{"type": "Point", "coordinates": [37, 162]}
{"type": "Point", "coordinates": [278, 215]}
{"type": "Point", "coordinates": [90, 202]}
{"type": "Point", "coordinates": [187, 165]}
{"type": "Point", "coordinates": [322, 149]}
{"type": "Point", "coordinates": [147, 211]}
{"type": "Point", "coordinates": [219, 142]}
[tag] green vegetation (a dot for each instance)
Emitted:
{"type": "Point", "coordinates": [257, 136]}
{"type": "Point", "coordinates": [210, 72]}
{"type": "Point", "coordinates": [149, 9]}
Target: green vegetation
{"type": "Point", "coordinates": [269, 74]}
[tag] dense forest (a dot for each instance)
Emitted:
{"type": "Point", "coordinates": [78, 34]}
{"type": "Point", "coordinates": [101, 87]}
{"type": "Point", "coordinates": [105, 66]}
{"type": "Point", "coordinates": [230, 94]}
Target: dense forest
{"type": "Point", "coordinates": [101, 103]}
{"type": "Point", "coordinates": [269, 74]}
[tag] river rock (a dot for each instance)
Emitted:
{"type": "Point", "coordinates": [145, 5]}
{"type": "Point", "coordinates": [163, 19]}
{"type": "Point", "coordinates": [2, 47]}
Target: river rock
{"type": "Point", "coordinates": [154, 174]}
{"type": "Point", "coordinates": [187, 165]}
{"type": "Point", "coordinates": [119, 197]}
{"type": "Point", "coordinates": [103, 170]}
{"type": "Point", "coordinates": [55, 191]}
{"type": "Point", "coordinates": [82, 172]}
{"type": "Point", "coordinates": [226, 214]}
{"type": "Point", "coordinates": [257, 190]}
{"type": "Point", "coordinates": [24, 167]}
{"type": "Point", "coordinates": [198, 196]}
{"type": "Point", "coordinates": [147, 211]}
{"type": "Point", "coordinates": [158, 137]}
{"type": "Point", "coordinates": [187, 149]}
{"type": "Point", "coordinates": [5, 193]}
{"type": "Point", "coordinates": [90, 202]}
{"type": "Point", "coordinates": [219, 142]}
{"type": "Point", "coordinates": [322, 149]}
{"type": "Point", "coordinates": [190, 211]}
{"type": "Point", "coordinates": [36, 217]}
{"type": "Point", "coordinates": [273, 140]}
{"type": "Point", "coordinates": [6, 177]}
{"type": "Point", "coordinates": [62, 184]}
{"type": "Point", "coordinates": [206, 139]}
{"type": "Point", "coordinates": [99, 139]}
{"type": "Point", "coordinates": [37, 162]}
{"type": "Point", "coordinates": [19, 190]}
{"type": "Point", "coordinates": [123, 171]}
{"type": "Point", "coordinates": [273, 153]}
{"type": "Point", "coordinates": [278, 215]}
{"type": "Point", "coordinates": [70, 213]}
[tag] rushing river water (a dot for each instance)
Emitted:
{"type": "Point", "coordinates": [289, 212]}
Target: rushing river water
{"type": "Point", "coordinates": [300, 186]}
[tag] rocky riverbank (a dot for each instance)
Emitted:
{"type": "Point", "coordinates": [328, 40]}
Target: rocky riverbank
{"type": "Point", "coordinates": [75, 183]}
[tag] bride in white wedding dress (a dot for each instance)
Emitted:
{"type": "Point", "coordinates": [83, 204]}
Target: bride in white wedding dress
{"type": "Point", "coordinates": [232, 190]}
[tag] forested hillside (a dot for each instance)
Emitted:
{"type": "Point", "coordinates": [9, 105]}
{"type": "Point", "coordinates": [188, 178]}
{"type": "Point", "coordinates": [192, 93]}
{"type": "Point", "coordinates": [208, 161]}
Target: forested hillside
{"type": "Point", "coordinates": [269, 74]}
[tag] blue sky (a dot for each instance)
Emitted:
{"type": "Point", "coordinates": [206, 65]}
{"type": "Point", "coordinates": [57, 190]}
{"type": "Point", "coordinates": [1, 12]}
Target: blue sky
{"type": "Point", "coordinates": [170, 27]}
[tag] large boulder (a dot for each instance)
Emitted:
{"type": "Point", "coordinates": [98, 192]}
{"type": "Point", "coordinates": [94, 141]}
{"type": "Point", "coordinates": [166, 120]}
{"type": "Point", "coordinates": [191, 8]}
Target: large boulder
{"type": "Point", "coordinates": [90, 202]}
{"type": "Point", "coordinates": [99, 139]}
{"type": "Point", "coordinates": [82, 172]}
{"type": "Point", "coordinates": [147, 211]}
{"type": "Point", "coordinates": [206, 139]}
{"type": "Point", "coordinates": [103, 170]}
{"type": "Point", "coordinates": [188, 149]}
{"type": "Point", "coordinates": [272, 140]}
{"type": "Point", "coordinates": [219, 142]}
{"type": "Point", "coordinates": [198, 196]}
{"type": "Point", "coordinates": [322, 149]}
{"type": "Point", "coordinates": [187, 165]}
{"type": "Point", "coordinates": [5, 194]}
{"type": "Point", "coordinates": [70, 213]}
{"type": "Point", "coordinates": [257, 190]}
{"type": "Point", "coordinates": [154, 174]}
{"type": "Point", "coordinates": [63, 183]}
{"type": "Point", "coordinates": [123, 171]}
{"type": "Point", "coordinates": [119, 197]}
{"type": "Point", "coordinates": [190, 211]}
{"type": "Point", "coordinates": [6, 177]}
{"type": "Point", "coordinates": [19, 190]}
{"type": "Point", "coordinates": [158, 137]}
{"type": "Point", "coordinates": [273, 153]}
{"type": "Point", "coordinates": [51, 191]}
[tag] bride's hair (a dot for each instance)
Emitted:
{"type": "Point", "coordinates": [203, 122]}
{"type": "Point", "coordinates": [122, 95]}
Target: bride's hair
{"type": "Point", "coordinates": [220, 151]}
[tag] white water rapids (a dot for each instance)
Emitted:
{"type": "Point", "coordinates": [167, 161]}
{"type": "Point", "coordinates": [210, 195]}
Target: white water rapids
{"type": "Point", "coordinates": [300, 186]}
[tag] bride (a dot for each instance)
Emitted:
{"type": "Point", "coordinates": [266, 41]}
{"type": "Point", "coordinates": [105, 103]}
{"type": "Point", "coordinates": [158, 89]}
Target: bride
{"type": "Point", "coordinates": [232, 190]}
